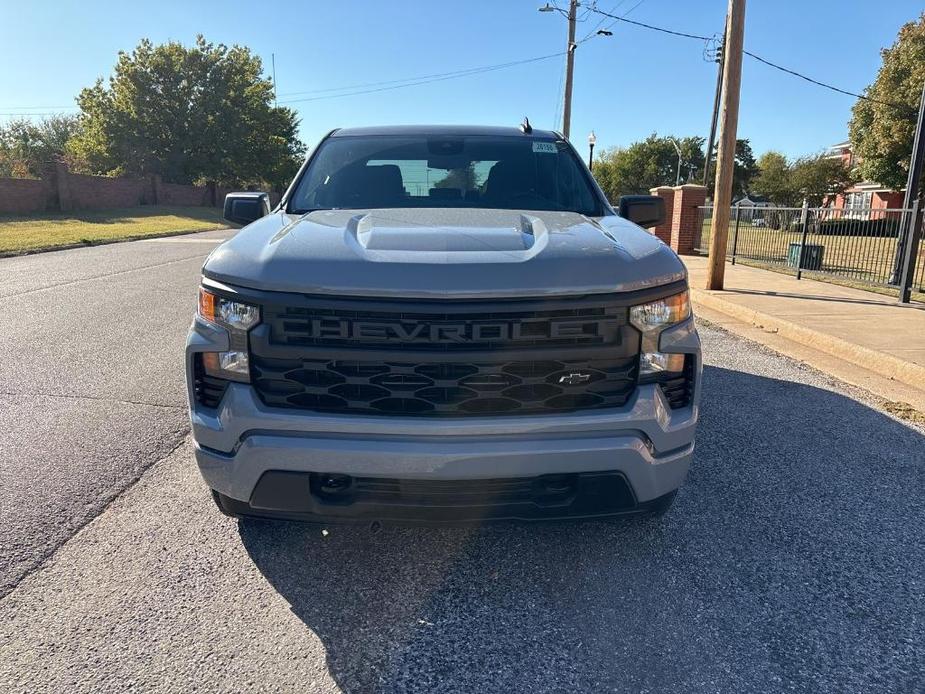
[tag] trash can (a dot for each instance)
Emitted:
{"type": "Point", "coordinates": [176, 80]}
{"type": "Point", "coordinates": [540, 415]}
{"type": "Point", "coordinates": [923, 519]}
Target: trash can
{"type": "Point", "coordinates": [812, 256]}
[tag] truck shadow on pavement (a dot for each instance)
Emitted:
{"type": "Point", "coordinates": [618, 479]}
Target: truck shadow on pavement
{"type": "Point", "coordinates": [791, 558]}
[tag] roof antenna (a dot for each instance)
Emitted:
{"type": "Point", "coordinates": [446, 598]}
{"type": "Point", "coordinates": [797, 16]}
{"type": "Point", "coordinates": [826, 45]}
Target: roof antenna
{"type": "Point", "coordinates": [525, 127]}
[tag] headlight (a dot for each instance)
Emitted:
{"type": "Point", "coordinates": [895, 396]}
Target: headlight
{"type": "Point", "coordinates": [230, 314]}
{"type": "Point", "coordinates": [651, 319]}
{"type": "Point", "coordinates": [237, 318]}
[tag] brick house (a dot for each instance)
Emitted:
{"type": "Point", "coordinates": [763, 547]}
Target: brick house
{"type": "Point", "coordinates": [866, 195]}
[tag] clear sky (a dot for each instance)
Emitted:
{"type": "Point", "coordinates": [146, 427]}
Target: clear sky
{"type": "Point", "coordinates": [626, 85]}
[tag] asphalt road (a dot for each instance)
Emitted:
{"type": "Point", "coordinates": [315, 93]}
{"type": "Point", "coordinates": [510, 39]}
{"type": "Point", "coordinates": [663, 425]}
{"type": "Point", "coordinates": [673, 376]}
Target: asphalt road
{"type": "Point", "coordinates": [791, 561]}
{"type": "Point", "coordinates": [91, 384]}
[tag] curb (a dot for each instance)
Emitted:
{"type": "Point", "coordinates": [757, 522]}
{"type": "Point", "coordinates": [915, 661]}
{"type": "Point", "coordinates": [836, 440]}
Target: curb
{"type": "Point", "coordinates": [879, 362]}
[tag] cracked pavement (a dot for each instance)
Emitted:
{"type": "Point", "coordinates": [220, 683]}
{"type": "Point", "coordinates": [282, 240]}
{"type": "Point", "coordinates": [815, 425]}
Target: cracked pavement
{"type": "Point", "coordinates": [91, 382]}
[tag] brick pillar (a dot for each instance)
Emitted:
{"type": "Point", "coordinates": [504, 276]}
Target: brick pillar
{"type": "Point", "coordinates": [65, 202]}
{"type": "Point", "coordinates": [663, 231]}
{"type": "Point", "coordinates": [685, 217]}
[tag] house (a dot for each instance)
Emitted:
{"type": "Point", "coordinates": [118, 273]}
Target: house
{"type": "Point", "coordinates": [752, 200]}
{"type": "Point", "coordinates": [864, 196]}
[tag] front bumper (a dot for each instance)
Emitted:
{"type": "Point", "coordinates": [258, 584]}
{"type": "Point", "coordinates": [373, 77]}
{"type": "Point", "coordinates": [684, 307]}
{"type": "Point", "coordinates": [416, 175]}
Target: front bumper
{"type": "Point", "coordinates": [646, 442]}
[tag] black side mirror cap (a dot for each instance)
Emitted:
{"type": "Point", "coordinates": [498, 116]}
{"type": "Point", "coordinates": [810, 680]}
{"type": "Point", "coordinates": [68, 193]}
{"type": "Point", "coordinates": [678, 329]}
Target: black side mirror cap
{"type": "Point", "coordinates": [644, 210]}
{"type": "Point", "coordinates": [244, 208]}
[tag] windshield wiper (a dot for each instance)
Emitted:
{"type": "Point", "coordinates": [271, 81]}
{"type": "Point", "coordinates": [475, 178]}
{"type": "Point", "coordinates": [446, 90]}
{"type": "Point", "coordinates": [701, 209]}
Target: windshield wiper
{"type": "Point", "coordinates": [310, 210]}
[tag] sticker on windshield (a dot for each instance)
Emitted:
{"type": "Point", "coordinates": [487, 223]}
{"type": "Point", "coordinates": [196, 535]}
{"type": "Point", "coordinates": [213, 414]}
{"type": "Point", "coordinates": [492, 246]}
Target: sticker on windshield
{"type": "Point", "coordinates": [545, 147]}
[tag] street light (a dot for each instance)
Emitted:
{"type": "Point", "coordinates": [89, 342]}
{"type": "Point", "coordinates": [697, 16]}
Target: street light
{"type": "Point", "coordinates": [569, 60]}
{"type": "Point", "coordinates": [592, 140]}
{"type": "Point", "coordinates": [677, 148]}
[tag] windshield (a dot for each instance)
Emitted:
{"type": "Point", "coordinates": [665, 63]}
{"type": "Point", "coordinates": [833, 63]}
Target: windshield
{"type": "Point", "coordinates": [510, 173]}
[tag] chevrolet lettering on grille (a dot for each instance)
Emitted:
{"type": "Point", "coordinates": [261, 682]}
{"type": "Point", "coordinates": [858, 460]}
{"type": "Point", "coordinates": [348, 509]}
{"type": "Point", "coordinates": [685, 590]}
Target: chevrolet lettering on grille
{"type": "Point", "coordinates": [463, 331]}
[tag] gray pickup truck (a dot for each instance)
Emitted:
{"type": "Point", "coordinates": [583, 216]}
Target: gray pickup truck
{"type": "Point", "coordinates": [443, 324]}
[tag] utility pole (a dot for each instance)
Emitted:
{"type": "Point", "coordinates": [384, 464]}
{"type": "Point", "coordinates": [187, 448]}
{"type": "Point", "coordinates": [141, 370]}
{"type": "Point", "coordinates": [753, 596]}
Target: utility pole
{"type": "Point", "coordinates": [725, 156]}
{"type": "Point", "coordinates": [716, 97]}
{"type": "Point", "coordinates": [904, 265]}
{"type": "Point", "coordinates": [569, 69]}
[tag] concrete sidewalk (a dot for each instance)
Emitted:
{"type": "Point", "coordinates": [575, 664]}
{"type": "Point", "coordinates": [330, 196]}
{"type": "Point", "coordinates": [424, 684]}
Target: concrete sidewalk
{"type": "Point", "coordinates": [870, 331]}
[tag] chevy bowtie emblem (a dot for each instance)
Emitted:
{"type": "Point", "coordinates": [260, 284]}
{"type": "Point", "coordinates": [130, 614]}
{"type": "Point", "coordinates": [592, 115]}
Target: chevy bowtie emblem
{"type": "Point", "coordinates": [574, 379]}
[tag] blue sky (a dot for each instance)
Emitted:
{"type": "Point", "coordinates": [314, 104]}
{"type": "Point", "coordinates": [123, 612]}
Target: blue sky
{"type": "Point", "coordinates": [626, 85]}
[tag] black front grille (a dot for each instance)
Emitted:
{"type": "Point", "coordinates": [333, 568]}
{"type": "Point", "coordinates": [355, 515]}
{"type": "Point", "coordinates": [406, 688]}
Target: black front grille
{"type": "Point", "coordinates": [445, 358]}
{"type": "Point", "coordinates": [427, 329]}
{"type": "Point", "coordinates": [457, 388]}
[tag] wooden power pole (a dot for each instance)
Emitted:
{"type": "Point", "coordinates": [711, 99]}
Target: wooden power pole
{"type": "Point", "coordinates": [725, 155]}
{"type": "Point", "coordinates": [569, 69]}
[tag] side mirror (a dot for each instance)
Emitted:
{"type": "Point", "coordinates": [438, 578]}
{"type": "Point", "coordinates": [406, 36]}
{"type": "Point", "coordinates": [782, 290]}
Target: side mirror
{"type": "Point", "coordinates": [244, 208]}
{"type": "Point", "coordinates": [644, 210]}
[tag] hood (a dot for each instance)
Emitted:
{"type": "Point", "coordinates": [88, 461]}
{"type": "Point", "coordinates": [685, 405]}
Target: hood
{"type": "Point", "coordinates": [453, 253]}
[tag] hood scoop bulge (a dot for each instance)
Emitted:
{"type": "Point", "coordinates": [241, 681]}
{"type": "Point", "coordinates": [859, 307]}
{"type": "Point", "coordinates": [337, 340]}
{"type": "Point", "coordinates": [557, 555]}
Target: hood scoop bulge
{"type": "Point", "coordinates": [384, 234]}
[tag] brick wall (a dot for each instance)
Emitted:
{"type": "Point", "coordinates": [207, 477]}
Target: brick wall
{"type": "Point", "coordinates": [64, 191]}
{"type": "Point", "coordinates": [663, 231]}
{"type": "Point", "coordinates": [24, 195]}
{"type": "Point", "coordinates": [99, 192]}
{"type": "Point", "coordinates": [681, 203]}
{"type": "Point", "coordinates": [186, 196]}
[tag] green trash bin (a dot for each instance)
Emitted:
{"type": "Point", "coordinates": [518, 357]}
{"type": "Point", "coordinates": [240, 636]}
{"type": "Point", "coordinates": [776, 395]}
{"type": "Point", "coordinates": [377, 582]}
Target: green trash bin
{"type": "Point", "coordinates": [812, 256]}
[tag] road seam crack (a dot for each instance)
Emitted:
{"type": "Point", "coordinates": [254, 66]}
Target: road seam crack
{"type": "Point", "coordinates": [47, 556]}
{"type": "Point", "coordinates": [100, 398]}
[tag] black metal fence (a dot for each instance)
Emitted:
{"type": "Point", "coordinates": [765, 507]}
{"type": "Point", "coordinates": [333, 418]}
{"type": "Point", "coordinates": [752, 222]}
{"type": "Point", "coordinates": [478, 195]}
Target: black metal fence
{"type": "Point", "coordinates": [861, 245]}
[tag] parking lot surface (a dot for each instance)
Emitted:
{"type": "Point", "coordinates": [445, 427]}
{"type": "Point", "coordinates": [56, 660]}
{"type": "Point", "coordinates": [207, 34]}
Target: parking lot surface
{"type": "Point", "coordinates": [791, 561]}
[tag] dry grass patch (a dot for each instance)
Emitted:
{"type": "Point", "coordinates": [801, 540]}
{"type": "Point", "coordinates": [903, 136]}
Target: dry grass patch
{"type": "Point", "coordinates": [39, 232]}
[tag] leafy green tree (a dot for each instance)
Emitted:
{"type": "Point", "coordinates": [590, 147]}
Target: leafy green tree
{"type": "Point", "coordinates": [815, 178]}
{"type": "Point", "coordinates": [774, 180]}
{"type": "Point", "coordinates": [881, 133]}
{"type": "Point", "coordinates": [28, 148]}
{"type": "Point", "coordinates": [819, 177]}
{"type": "Point", "coordinates": [744, 170]}
{"type": "Point", "coordinates": [202, 113]}
{"type": "Point", "coordinates": [463, 178]}
{"type": "Point", "coordinates": [647, 164]}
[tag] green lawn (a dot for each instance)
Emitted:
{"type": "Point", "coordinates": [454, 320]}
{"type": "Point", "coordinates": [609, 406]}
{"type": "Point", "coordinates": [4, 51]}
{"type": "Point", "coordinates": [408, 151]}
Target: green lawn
{"type": "Point", "coordinates": [37, 232]}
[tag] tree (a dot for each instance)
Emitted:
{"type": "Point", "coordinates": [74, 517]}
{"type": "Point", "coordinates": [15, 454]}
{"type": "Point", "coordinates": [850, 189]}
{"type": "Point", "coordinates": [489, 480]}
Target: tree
{"type": "Point", "coordinates": [819, 177]}
{"type": "Point", "coordinates": [28, 149]}
{"type": "Point", "coordinates": [189, 114]}
{"type": "Point", "coordinates": [774, 180]}
{"type": "Point", "coordinates": [648, 164]}
{"type": "Point", "coordinates": [744, 171]}
{"type": "Point", "coordinates": [814, 177]}
{"type": "Point", "coordinates": [463, 178]}
{"type": "Point", "coordinates": [882, 126]}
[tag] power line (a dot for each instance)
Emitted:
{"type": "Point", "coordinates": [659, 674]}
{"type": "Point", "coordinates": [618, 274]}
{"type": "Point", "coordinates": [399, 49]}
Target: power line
{"type": "Point", "coordinates": [363, 85]}
{"type": "Point", "coordinates": [758, 58]}
{"type": "Point", "coordinates": [618, 18]}
{"type": "Point", "coordinates": [418, 82]}
{"type": "Point", "coordinates": [823, 84]}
